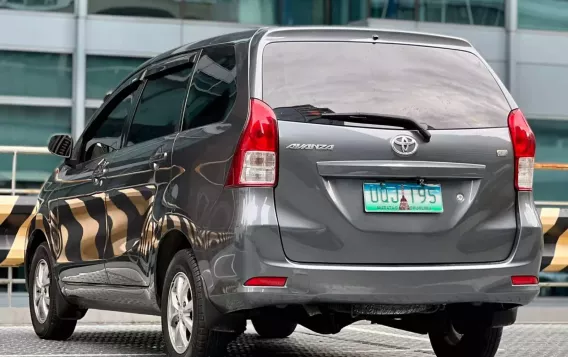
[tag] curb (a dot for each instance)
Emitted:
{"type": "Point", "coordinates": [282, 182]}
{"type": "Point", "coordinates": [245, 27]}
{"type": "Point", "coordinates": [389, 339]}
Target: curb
{"type": "Point", "coordinates": [543, 314]}
{"type": "Point", "coordinates": [21, 316]}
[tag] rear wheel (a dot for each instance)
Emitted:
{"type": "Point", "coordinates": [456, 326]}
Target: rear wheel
{"type": "Point", "coordinates": [479, 342]}
{"type": "Point", "coordinates": [183, 315]}
{"type": "Point", "coordinates": [43, 290]}
{"type": "Point", "coordinates": [269, 327]}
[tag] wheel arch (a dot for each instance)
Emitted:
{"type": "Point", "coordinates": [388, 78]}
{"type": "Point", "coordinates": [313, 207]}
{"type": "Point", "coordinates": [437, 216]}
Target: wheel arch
{"type": "Point", "coordinates": [181, 234]}
{"type": "Point", "coordinates": [171, 242]}
{"type": "Point", "coordinates": [35, 239]}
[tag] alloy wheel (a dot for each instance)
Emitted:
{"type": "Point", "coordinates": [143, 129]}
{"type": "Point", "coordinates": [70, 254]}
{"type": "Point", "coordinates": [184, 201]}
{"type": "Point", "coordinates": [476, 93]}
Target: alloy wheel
{"type": "Point", "coordinates": [41, 291]}
{"type": "Point", "coordinates": [180, 312]}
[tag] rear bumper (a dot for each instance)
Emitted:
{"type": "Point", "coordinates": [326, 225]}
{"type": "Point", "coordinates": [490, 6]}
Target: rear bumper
{"type": "Point", "coordinates": [318, 284]}
{"type": "Point", "coordinates": [257, 251]}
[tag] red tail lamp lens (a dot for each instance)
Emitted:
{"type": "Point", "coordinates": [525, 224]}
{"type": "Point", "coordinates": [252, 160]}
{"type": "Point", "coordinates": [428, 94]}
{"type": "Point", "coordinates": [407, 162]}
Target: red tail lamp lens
{"type": "Point", "coordinates": [524, 147]}
{"type": "Point", "coordinates": [255, 161]}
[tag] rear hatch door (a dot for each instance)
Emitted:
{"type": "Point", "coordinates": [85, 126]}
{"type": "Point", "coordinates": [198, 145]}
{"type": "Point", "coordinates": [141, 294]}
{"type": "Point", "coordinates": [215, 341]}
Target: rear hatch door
{"type": "Point", "coordinates": [354, 191]}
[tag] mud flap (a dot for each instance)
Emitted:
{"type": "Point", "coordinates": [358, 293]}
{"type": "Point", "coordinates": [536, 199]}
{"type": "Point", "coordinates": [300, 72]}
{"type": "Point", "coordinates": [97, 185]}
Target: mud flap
{"type": "Point", "coordinates": [482, 317]}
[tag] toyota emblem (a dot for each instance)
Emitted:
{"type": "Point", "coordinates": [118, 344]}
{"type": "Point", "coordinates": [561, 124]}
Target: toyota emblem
{"type": "Point", "coordinates": [404, 145]}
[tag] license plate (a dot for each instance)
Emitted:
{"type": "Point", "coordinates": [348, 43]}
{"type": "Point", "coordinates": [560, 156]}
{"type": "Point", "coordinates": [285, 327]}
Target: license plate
{"type": "Point", "coordinates": [402, 197]}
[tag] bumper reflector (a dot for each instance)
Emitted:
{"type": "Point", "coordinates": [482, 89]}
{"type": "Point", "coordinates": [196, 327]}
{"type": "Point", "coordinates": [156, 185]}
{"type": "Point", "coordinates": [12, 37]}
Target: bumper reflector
{"type": "Point", "coordinates": [267, 281]}
{"type": "Point", "coordinates": [524, 280]}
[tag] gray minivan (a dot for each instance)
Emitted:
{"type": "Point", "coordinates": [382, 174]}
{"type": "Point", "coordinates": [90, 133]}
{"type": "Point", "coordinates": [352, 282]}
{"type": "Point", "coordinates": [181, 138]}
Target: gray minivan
{"type": "Point", "coordinates": [312, 176]}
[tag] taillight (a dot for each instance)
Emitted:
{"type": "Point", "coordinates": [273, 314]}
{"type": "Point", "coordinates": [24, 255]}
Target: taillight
{"type": "Point", "coordinates": [524, 147]}
{"type": "Point", "coordinates": [256, 156]}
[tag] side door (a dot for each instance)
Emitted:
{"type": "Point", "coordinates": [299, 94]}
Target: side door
{"type": "Point", "coordinates": [77, 206]}
{"type": "Point", "coordinates": [138, 174]}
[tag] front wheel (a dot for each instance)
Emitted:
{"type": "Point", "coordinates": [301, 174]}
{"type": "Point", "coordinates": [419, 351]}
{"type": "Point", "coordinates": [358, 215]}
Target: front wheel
{"type": "Point", "coordinates": [479, 342]}
{"type": "Point", "coordinates": [183, 315]}
{"type": "Point", "coordinates": [42, 295]}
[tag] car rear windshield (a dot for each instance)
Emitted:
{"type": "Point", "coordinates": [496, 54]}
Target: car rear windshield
{"type": "Point", "coordinates": [443, 88]}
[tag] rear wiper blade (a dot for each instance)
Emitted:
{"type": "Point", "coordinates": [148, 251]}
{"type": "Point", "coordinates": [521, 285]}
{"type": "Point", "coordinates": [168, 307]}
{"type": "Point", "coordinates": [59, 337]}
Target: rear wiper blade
{"type": "Point", "coordinates": [380, 119]}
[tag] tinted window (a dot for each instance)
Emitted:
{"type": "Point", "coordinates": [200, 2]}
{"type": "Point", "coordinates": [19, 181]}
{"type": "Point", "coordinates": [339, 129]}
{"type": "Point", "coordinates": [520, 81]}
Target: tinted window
{"type": "Point", "coordinates": [159, 111]}
{"type": "Point", "coordinates": [213, 89]}
{"type": "Point", "coordinates": [107, 130]}
{"type": "Point", "coordinates": [441, 87]}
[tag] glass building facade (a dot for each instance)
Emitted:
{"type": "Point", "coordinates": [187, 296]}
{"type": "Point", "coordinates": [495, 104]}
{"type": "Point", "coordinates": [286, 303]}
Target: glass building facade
{"type": "Point", "coordinates": [297, 12]}
{"type": "Point", "coordinates": [548, 15]}
{"type": "Point", "coordinates": [54, 79]}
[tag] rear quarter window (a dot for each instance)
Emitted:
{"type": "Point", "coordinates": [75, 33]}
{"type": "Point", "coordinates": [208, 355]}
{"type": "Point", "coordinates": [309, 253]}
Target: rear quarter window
{"type": "Point", "coordinates": [444, 88]}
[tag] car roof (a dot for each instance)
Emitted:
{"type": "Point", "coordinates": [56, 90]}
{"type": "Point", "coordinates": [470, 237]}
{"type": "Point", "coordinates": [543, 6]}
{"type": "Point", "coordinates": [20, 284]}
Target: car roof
{"type": "Point", "coordinates": [310, 33]}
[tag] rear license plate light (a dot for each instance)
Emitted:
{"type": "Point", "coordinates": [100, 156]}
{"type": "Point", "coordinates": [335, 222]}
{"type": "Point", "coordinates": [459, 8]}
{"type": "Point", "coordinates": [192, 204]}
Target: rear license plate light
{"type": "Point", "coordinates": [402, 198]}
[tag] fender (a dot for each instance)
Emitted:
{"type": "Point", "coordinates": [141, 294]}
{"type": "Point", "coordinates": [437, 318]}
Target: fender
{"type": "Point", "coordinates": [199, 240]}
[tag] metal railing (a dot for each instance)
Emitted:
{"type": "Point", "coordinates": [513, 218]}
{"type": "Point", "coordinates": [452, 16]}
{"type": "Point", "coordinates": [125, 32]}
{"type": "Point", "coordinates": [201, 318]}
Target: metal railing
{"type": "Point", "coordinates": [547, 166]}
{"type": "Point", "coordinates": [15, 151]}
{"type": "Point", "coordinates": [27, 150]}
{"type": "Point", "coordinates": [10, 282]}
{"type": "Point", "coordinates": [13, 190]}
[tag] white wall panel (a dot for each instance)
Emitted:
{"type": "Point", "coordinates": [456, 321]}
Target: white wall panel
{"type": "Point", "coordinates": [36, 31]}
{"type": "Point", "coordinates": [199, 30]}
{"type": "Point", "coordinates": [127, 36]}
{"type": "Point", "coordinates": [542, 90]}
{"type": "Point", "coordinates": [543, 47]}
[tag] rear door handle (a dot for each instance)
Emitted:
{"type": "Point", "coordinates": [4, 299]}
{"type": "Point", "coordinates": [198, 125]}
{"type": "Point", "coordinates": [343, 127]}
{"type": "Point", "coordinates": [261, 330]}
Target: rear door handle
{"type": "Point", "coordinates": [157, 158]}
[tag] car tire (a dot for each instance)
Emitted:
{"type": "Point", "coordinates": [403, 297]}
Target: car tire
{"type": "Point", "coordinates": [480, 342]}
{"type": "Point", "coordinates": [42, 294]}
{"type": "Point", "coordinates": [179, 340]}
{"type": "Point", "coordinates": [268, 327]}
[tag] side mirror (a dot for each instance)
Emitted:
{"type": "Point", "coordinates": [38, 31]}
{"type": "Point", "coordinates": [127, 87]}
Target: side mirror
{"type": "Point", "coordinates": [107, 95]}
{"type": "Point", "coordinates": [61, 145]}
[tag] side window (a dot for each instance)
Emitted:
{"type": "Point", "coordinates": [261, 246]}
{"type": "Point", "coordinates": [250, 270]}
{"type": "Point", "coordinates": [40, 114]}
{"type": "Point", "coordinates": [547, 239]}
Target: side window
{"type": "Point", "coordinates": [159, 110]}
{"type": "Point", "coordinates": [213, 89]}
{"type": "Point", "coordinates": [105, 136]}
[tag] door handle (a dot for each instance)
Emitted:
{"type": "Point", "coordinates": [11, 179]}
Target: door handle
{"type": "Point", "coordinates": [99, 172]}
{"type": "Point", "coordinates": [156, 159]}
{"type": "Point", "coordinates": [159, 157]}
